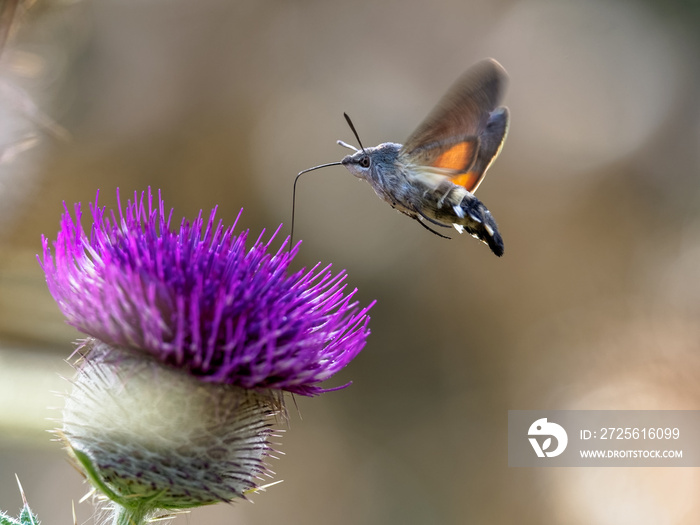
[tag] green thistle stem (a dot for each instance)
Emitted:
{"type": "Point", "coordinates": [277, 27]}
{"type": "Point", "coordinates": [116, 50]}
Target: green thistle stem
{"type": "Point", "coordinates": [129, 516]}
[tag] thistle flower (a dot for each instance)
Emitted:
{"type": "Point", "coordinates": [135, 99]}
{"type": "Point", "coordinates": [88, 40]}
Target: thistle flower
{"type": "Point", "coordinates": [193, 339]}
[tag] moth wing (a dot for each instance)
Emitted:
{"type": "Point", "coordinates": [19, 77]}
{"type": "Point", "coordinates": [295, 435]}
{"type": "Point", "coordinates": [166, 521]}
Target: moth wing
{"type": "Point", "coordinates": [456, 154]}
{"type": "Point", "coordinates": [466, 130]}
{"type": "Point", "coordinates": [491, 142]}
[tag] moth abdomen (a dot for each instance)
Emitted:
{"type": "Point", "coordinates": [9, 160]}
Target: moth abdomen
{"type": "Point", "coordinates": [476, 219]}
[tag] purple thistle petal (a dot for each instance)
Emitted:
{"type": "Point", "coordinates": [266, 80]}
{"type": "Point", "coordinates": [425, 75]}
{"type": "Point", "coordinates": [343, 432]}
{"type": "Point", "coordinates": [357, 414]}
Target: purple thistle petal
{"type": "Point", "coordinates": [197, 299]}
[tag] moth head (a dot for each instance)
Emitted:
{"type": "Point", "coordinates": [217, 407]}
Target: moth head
{"type": "Point", "coordinates": [373, 162]}
{"type": "Point", "coordinates": [368, 163]}
{"type": "Point", "coordinates": [359, 163]}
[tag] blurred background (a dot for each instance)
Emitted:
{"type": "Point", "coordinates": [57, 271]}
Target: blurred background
{"type": "Point", "coordinates": [596, 193]}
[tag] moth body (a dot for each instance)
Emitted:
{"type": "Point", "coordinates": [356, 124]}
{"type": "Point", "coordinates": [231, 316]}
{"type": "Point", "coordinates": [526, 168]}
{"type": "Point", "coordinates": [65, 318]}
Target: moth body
{"type": "Point", "coordinates": [424, 195]}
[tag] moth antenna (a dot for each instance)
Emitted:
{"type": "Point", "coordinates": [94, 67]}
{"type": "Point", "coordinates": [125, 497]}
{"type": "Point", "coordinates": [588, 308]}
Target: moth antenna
{"type": "Point", "coordinates": [352, 127]}
{"type": "Point", "coordinates": [294, 195]}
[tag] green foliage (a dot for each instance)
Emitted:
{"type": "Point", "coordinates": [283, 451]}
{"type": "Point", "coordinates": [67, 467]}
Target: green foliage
{"type": "Point", "coordinates": [26, 517]}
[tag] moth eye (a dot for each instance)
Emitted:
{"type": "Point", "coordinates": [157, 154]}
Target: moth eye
{"type": "Point", "coordinates": [364, 162]}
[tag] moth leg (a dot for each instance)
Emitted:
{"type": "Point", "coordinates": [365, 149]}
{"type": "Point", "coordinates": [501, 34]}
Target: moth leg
{"type": "Point", "coordinates": [430, 229]}
{"type": "Point", "coordinates": [433, 221]}
{"type": "Point", "coordinates": [445, 188]}
{"type": "Point", "coordinates": [436, 223]}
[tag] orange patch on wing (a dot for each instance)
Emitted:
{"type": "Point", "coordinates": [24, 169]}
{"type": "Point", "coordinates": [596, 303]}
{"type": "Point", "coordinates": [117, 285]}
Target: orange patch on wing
{"type": "Point", "coordinates": [459, 157]}
{"type": "Point", "coordinates": [468, 180]}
